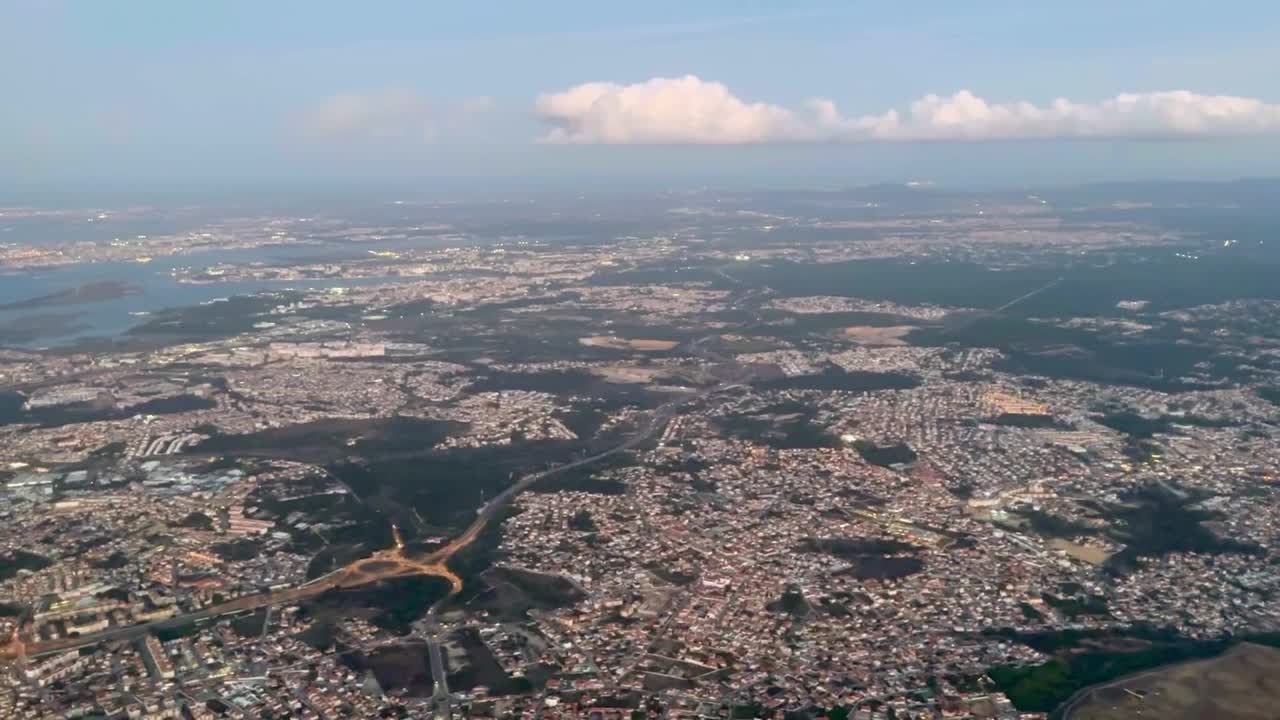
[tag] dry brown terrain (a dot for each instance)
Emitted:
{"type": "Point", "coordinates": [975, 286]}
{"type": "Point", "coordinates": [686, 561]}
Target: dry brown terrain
{"type": "Point", "coordinates": [1091, 554]}
{"type": "Point", "coordinates": [627, 374]}
{"type": "Point", "coordinates": [883, 336]}
{"type": "Point", "coordinates": [1241, 684]}
{"type": "Point", "coordinates": [617, 343]}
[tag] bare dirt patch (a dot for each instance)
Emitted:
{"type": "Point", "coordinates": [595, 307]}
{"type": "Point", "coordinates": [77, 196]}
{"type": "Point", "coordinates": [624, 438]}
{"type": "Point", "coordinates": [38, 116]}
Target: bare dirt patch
{"type": "Point", "coordinates": [890, 336]}
{"type": "Point", "coordinates": [617, 343]}
{"type": "Point", "coordinates": [1088, 553]}
{"type": "Point", "coordinates": [627, 374]}
{"type": "Point", "coordinates": [1241, 684]}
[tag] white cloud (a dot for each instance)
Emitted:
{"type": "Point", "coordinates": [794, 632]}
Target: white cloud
{"type": "Point", "coordinates": [1178, 113]}
{"type": "Point", "coordinates": [663, 110]}
{"type": "Point", "coordinates": [389, 113]}
{"type": "Point", "coordinates": [689, 110]}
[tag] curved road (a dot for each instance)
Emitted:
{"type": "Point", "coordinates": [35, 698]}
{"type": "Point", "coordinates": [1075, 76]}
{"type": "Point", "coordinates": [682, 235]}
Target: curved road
{"type": "Point", "coordinates": [383, 564]}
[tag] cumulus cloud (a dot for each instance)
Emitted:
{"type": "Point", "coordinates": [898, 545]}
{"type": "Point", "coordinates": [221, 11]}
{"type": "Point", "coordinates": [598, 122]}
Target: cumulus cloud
{"type": "Point", "coordinates": [663, 110]}
{"type": "Point", "coordinates": [389, 113]}
{"type": "Point", "coordinates": [692, 111]}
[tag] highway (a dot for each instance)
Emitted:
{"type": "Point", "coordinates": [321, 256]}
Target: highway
{"type": "Point", "coordinates": [1028, 296]}
{"type": "Point", "coordinates": [388, 563]}
{"type": "Point", "coordinates": [440, 693]}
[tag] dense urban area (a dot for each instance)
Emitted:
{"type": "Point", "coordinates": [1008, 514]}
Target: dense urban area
{"type": "Point", "coordinates": [890, 452]}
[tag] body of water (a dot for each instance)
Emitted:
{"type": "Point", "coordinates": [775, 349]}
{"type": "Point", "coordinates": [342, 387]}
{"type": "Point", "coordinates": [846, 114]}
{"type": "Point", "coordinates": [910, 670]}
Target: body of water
{"type": "Point", "coordinates": [60, 325]}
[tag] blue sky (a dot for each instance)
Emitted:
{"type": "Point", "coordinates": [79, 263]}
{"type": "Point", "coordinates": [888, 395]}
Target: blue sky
{"type": "Point", "coordinates": [162, 91]}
